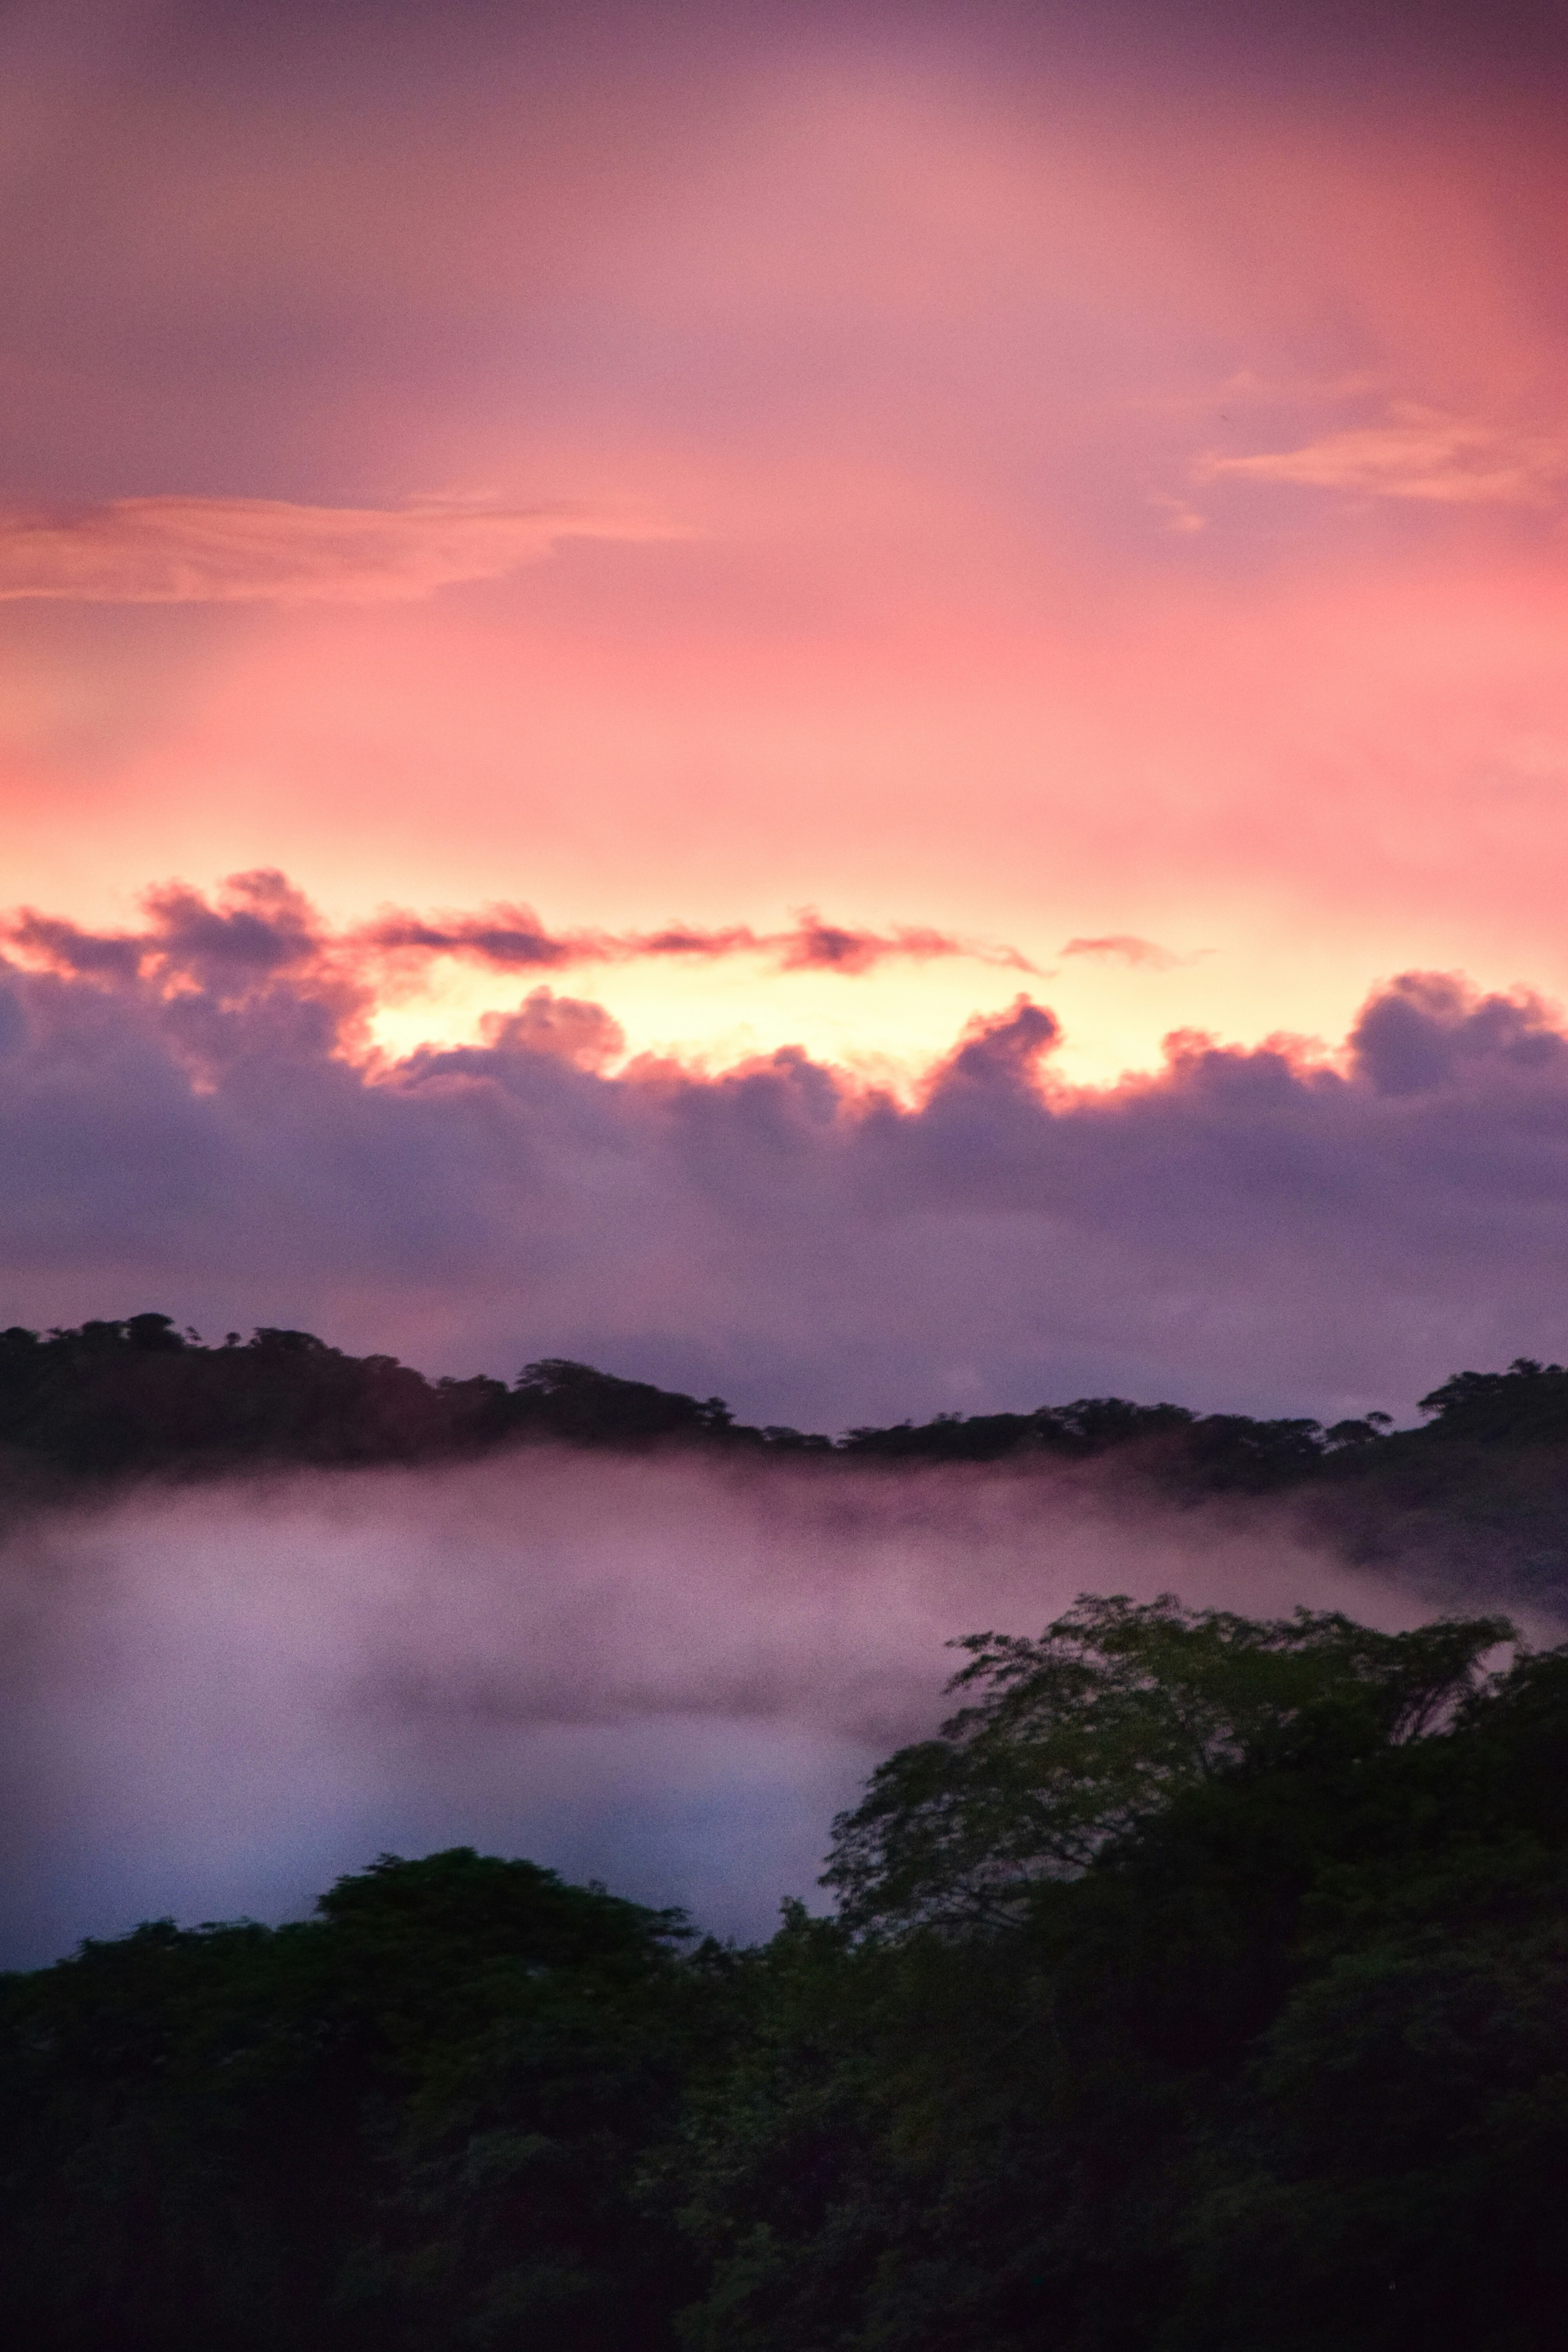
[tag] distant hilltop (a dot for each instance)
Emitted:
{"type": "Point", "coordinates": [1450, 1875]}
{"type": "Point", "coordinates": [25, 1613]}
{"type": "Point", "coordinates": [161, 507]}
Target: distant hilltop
{"type": "Point", "coordinates": [134, 1396]}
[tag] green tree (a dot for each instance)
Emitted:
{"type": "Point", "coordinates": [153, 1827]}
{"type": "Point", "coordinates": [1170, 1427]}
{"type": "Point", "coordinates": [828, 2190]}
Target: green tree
{"type": "Point", "coordinates": [1078, 1736]}
{"type": "Point", "coordinates": [413, 2120]}
{"type": "Point", "coordinates": [1202, 1978]}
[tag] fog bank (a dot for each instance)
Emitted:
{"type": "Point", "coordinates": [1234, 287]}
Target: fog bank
{"type": "Point", "coordinates": [668, 1674]}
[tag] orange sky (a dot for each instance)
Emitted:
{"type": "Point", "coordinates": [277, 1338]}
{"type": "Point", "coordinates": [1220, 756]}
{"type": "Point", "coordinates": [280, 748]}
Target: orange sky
{"type": "Point", "coordinates": [1030, 486]}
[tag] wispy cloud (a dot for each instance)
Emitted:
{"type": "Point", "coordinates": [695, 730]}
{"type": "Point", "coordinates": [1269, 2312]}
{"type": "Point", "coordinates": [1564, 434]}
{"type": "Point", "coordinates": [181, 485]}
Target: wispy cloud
{"type": "Point", "coordinates": [1249, 388]}
{"type": "Point", "coordinates": [258, 927]}
{"type": "Point", "coordinates": [514, 937]}
{"type": "Point", "coordinates": [1124, 946]}
{"type": "Point", "coordinates": [195, 551]}
{"type": "Point", "coordinates": [1416, 453]}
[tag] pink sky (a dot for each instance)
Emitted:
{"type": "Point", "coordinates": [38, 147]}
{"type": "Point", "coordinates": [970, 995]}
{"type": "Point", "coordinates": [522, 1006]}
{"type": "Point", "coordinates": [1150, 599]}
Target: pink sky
{"type": "Point", "coordinates": [1042, 486]}
{"type": "Point", "coordinates": [948, 504]}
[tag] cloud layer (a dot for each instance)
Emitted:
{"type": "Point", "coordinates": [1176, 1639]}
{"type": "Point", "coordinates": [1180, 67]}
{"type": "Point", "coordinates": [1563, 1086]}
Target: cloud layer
{"type": "Point", "coordinates": [258, 927]}
{"type": "Point", "coordinates": [1125, 947]}
{"type": "Point", "coordinates": [1417, 453]}
{"type": "Point", "coordinates": [206, 550]}
{"type": "Point", "coordinates": [192, 1121]}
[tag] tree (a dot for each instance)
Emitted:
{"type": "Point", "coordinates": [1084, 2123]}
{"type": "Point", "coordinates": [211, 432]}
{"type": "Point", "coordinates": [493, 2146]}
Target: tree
{"type": "Point", "coordinates": [1207, 1989]}
{"type": "Point", "coordinates": [413, 2121]}
{"type": "Point", "coordinates": [1078, 1737]}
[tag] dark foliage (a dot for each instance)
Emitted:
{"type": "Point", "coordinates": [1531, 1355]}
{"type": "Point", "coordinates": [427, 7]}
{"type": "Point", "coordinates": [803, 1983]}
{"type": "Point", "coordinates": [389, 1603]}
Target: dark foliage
{"type": "Point", "coordinates": [413, 2120]}
{"type": "Point", "coordinates": [1478, 1495]}
{"type": "Point", "coordinates": [1480, 1491]}
{"type": "Point", "coordinates": [1257, 2037]}
{"type": "Point", "coordinates": [1266, 2045]}
{"type": "Point", "coordinates": [138, 1395]}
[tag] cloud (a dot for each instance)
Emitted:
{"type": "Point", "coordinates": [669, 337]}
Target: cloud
{"type": "Point", "coordinates": [259, 924]}
{"type": "Point", "coordinates": [1248, 388]}
{"type": "Point", "coordinates": [512, 938]}
{"type": "Point", "coordinates": [579, 1032]}
{"type": "Point", "coordinates": [1124, 946]}
{"type": "Point", "coordinates": [197, 550]}
{"type": "Point", "coordinates": [1002, 1052]}
{"type": "Point", "coordinates": [812, 945]}
{"type": "Point", "coordinates": [1417, 453]}
{"type": "Point", "coordinates": [195, 1123]}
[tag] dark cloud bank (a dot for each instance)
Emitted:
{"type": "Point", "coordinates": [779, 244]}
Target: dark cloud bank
{"type": "Point", "coordinates": [188, 1120]}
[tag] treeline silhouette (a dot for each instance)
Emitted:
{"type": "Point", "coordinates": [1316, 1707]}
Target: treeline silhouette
{"type": "Point", "coordinates": [1202, 1987]}
{"type": "Point", "coordinates": [138, 1396]}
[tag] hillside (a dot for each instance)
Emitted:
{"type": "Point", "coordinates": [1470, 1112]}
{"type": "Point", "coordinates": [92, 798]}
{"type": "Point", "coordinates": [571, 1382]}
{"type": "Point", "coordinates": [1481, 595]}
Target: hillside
{"type": "Point", "coordinates": [1480, 1489]}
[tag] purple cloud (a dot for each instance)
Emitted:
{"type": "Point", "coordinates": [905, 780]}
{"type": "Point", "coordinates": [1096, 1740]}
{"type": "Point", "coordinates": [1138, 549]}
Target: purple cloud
{"type": "Point", "coordinates": [260, 922]}
{"type": "Point", "coordinates": [1247, 1228]}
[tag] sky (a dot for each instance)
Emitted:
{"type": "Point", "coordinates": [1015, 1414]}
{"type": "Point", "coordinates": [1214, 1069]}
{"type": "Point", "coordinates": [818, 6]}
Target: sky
{"type": "Point", "coordinates": [864, 704]}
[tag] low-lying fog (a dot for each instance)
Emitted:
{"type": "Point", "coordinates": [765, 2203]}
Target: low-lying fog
{"type": "Point", "coordinates": [666, 1674]}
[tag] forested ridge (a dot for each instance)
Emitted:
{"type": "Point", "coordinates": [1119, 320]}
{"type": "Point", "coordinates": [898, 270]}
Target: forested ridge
{"type": "Point", "coordinates": [1480, 1489]}
{"type": "Point", "coordinates": [1203, 1987]}
{"type": "Point", "coordinates": [110, 1397]}
{"type": "Point", "coordinates": [138, 1394]}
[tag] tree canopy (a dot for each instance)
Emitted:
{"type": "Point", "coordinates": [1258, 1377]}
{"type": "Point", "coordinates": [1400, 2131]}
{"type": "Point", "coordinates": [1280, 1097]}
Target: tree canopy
{"type": "Point", "coordinates": [1074, 1739]}
{"type": "Point", "coordinates": [1217, 1997]}
{"type": "Point", "coordinates": [1486, 1479]}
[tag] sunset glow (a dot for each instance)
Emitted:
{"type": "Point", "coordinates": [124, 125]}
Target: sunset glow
{"type": "Point", "coordinates": [1084, 488]}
